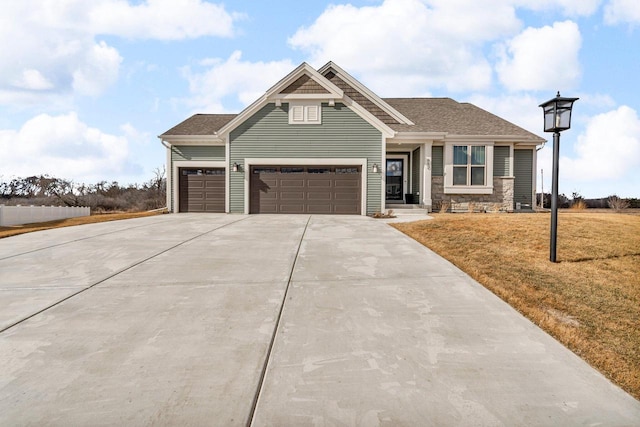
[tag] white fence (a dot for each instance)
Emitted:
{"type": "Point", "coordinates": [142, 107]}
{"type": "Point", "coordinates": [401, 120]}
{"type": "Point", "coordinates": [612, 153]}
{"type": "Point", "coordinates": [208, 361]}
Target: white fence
{"type": "Point", "coordinates": [14, 215]}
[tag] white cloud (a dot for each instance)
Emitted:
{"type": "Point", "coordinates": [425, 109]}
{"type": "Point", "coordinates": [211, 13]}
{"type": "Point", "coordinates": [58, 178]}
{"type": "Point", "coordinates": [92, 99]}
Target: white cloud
{"type": "Point", "coordinates": [410, 47]}
{"type": "Point", "coordinates": [232, 82]}
{"type": "Point", "coordinates": [52, 47]}
{"type": "Point", "coordinates": [161, 19]}
{"type": "Point", "coordinates": [619, 11]}
{"type": "Point", "coordinates": [541, 58]}
{"type": "Point", "coordinates": [609, 148]}
{"type": "Point", "coordinates": [97, 71]}
{"type": "Point", "coordinates": [65, 147]}
{"type": "Point", "coordinates": [32, 80]}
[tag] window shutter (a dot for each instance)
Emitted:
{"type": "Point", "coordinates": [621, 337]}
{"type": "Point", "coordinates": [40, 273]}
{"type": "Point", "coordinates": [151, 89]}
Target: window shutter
{"type": "Point", "coordinates": [298, 113]}
{"type": "Point", "coordinates": [312, 113]}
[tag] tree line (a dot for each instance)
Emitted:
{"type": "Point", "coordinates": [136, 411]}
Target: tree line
{"type": "Point", "coordinates": [577, 200]}
{"type": "Point", "coordinates": [100, 197]}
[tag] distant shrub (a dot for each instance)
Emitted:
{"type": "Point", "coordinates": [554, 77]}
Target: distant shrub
{"type": "Point", "coordinates": [617, 204]}
{"type": "Point", "coordinates": [579, 204]}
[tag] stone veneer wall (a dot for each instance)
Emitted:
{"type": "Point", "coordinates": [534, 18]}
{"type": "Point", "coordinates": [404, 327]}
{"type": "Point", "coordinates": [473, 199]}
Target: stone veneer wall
{"type": "Point", "coordinates": [501, 199]}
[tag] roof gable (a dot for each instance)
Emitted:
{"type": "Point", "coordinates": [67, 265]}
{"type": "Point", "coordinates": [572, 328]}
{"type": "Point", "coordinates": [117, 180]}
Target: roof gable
{"type": "Point", "coordinates": [362, 95]}
{"type": "Point", "coordinates": [304, 84]}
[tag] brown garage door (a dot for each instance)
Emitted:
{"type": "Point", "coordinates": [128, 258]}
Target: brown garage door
{"type": "Point", "coordinates": [306, 189]}
{"type": "Point", "coordinates": [202, 190]}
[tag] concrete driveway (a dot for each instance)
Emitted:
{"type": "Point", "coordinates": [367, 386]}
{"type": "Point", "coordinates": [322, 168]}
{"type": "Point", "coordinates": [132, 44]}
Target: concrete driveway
{"type": "Point", "coordinates": [272, 320]}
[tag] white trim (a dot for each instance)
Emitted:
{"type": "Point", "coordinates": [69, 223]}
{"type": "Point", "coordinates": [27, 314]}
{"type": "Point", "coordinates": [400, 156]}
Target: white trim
{"type": "Point", "coordinates": [169, 177]}
{"type": "Point", "coordinates": [449, 188]}
{"type": "Point", "coordinates": [426, 166]}
{"type": "Point", "coordinates": [383, 177]}
{"type": "Point", "coordinates": [405, 175]}
{"type": "Point", "coordinates": [492, 138]}
{"type": "Point", "coordinates": [248, 162]}
{"type": "Point", "coordinates": [193, 139]}
{"type": "Point", "coordinates": [411, 136]}
{"type": "Point", "coordinates": [227, 183]}
{"type": "Point", "coordinates": [365, 91]}
{"type": "Point", "coordinates": [195, 164]}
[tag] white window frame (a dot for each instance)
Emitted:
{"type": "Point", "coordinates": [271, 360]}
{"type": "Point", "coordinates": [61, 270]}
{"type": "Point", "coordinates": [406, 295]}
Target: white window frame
{"type": "Point", "coordinates": [449, 188]}
{"type": "Point", "coordinates": [305, 113]}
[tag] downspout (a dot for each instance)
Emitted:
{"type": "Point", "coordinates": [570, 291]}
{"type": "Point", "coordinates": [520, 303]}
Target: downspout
{"type": "Point", "coordinates": [168, 187]}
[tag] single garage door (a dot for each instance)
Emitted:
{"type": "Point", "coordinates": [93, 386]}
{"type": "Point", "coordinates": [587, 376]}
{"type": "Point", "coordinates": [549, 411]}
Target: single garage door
{"type": "Point", "coordinates": [202, 189]}
{"type": "Point", "coordinates": [306, 189]}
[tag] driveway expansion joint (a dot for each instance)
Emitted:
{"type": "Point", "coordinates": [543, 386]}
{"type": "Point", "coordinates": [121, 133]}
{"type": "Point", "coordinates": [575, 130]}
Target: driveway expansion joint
{"type": "Point", "coordinates": [265, 367]}
{"type": "Point", "coordinates": [112, 275]}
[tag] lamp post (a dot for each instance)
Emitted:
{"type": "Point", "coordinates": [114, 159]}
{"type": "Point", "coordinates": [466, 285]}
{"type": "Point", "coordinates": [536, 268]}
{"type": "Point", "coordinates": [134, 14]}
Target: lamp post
{"type": "Point", "coordinates": [557, 117]}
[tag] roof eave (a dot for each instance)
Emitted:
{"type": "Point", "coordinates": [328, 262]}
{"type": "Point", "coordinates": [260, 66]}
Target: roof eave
{"type": "Point", "coordinates": [496, 138]}
{"type": "Point", "coordinates": [192, 139]}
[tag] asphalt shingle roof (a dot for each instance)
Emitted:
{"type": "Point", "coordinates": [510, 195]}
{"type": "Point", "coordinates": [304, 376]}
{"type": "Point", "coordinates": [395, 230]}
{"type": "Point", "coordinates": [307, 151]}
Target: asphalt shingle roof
{"type": "Point", "coordinates": [428, 114]}
{"type": "Point", "coordinates": [458, 118]}
{"type": "Point", "coordinates": [201, 124]}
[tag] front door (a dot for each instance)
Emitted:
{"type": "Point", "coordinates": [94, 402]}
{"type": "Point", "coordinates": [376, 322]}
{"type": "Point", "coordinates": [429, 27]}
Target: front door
{"type": "Point", "coordinates": [395, 174]}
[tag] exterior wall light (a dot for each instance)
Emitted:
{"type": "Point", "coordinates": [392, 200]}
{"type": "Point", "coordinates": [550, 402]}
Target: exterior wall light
{"type": "Point", "coordinates": [557, 117]}
{"type": "Point", "coordinates": [235, 167]}
{"type": "Point", "coordinates": [375, 168]}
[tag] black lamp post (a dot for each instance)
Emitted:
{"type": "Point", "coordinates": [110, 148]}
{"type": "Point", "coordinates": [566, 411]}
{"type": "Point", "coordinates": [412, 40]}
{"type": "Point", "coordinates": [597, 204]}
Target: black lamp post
{"type": "Point", "coordinates": [557, 117]}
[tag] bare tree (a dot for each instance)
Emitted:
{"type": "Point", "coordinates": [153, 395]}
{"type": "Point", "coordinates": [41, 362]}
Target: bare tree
{"type": "Point", "coordinates": [617, 204]}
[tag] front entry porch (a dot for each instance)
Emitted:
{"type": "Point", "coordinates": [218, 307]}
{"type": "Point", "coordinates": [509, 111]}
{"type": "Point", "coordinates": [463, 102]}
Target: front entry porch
{"type": "Point", "coordinates": [407, 176]}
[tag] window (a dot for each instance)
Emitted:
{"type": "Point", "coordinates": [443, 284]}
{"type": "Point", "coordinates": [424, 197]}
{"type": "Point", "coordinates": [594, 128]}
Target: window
{"type": "Point", "coordinates": [300, 114]}
{"type": "Point", "coordinates": [469, 165]}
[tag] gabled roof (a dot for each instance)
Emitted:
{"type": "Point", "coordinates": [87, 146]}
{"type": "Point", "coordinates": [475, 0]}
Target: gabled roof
{"type": "Point", "coordinates": [442, 116]}
{"type": "Point", "coordinates": [454, 118]}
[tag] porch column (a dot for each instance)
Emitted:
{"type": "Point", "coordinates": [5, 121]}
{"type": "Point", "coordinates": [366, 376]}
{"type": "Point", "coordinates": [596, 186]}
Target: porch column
{"type": "Point", "coordinates": [425, 163]}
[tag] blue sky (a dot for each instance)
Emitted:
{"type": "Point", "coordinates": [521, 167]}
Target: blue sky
{"type": "Point", "coordinates": [86, 86]}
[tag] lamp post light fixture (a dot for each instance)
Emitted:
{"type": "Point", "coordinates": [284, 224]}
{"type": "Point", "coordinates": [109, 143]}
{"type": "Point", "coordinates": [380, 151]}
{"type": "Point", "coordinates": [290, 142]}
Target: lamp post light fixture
{"type": "Point", "coordinates": [557, 117]}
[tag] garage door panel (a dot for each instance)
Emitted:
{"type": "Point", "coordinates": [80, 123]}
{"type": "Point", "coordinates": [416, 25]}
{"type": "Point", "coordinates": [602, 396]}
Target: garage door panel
{"type": "Point", "coordinates": [319, 208]}
{"type": "Point", "coordinates": [296, 183]}
{"type": "Point", "coordinates": [317, 183]}
{"type": "Point", "coordinates": [297, 196]}
{"type": "Point", "coordinates": [324, 189]}
{"type": "Point", "coordinates": [342, 183]}
{"type": "Point", "coordinates": [297, 208]}
{"type": "Point", "coordinates": [319, 195]}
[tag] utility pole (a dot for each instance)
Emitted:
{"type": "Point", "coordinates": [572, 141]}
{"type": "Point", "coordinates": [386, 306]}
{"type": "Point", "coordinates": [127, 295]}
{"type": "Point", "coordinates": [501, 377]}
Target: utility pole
{"type": "Point", "coordinates": [541, 188]}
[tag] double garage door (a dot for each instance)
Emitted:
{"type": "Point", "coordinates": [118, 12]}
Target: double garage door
{"type": "Point", "coordinates": [277, 189]}
{"type": "Point", "coordinates": [306, 189]}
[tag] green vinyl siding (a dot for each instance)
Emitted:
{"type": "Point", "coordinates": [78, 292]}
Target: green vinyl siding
{"type": "Point", "coordinates": [437, 160]}
{"type": "Point", "coordinates": [197, 152]}
{"type": "Point", "coordinates": [415, 171]}
{"type": "Point", "coordinates": [342, 134]}
{"type": "Point", "coordinates": [523, 172]}
{"type": "Point", "coordinates": [501, 161]}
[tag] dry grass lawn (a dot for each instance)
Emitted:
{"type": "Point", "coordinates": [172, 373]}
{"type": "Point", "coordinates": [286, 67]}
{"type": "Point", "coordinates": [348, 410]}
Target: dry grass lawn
{"type": "Point", "coordinates": [589, 300]}
{"type": "Point", "coordinates": [28, 228]}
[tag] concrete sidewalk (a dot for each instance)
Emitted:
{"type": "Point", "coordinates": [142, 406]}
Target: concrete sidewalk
{"type": "Point", "coordinates": [272, 320]}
